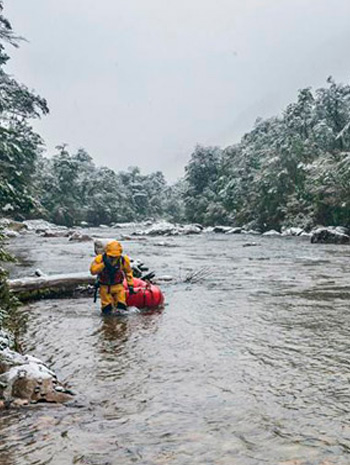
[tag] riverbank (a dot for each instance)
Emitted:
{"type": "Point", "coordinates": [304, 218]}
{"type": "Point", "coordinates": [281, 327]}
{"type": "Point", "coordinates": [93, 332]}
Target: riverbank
{"type": "Point", "coordinates": [318, 234]}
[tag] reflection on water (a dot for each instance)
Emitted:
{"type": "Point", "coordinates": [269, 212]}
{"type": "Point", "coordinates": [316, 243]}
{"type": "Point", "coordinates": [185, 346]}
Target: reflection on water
{"type": "Point", "coordinates": [248, 366]}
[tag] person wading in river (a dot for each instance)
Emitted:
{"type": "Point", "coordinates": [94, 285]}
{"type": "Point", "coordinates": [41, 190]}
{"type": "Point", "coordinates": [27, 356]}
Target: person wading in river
{"type": "Point", "coordinates": [112, 267]}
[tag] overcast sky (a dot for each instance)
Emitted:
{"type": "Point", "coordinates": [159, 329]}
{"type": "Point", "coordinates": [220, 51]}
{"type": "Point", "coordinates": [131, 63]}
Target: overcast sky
{"type": "Point", "coordinates": [141, 82]}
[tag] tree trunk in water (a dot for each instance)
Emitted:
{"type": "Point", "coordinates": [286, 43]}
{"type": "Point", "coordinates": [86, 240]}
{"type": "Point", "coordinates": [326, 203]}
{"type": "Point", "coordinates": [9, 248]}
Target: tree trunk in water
{"type": "Point", "coordinates": [62, 285]}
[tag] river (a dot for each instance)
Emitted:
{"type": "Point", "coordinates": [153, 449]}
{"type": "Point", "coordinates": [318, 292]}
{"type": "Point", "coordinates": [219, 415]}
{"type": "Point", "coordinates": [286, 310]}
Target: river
{"type": "Point", "coordinates": [248, 366]}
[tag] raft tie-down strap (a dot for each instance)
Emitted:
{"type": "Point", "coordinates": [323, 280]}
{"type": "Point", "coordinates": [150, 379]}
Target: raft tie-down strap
{"type": "Point", "coordinates": [144, 297]}
{"type": "Point", "coordinates": [147, 288]}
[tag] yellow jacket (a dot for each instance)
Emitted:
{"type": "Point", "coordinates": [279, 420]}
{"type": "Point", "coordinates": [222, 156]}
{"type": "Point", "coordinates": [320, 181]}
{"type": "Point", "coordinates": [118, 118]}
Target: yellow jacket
{"type": "Point", "coordinates": [97, 266]}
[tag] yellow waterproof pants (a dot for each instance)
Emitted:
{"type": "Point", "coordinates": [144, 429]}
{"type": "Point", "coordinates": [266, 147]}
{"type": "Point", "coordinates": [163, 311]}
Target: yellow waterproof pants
{"type": "Point", "coordinates": [111, 295]}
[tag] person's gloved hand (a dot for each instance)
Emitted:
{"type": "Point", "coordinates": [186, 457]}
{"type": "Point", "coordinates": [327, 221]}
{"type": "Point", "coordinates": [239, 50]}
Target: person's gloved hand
{"type": "Point", "coordinates": [106, 262]}
{"type": "Point", "coordinates": [131, 290]}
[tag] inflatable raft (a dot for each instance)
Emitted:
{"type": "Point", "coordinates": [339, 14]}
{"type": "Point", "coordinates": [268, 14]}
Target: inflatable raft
{"type": "Point", "coordinates": [146, 295]}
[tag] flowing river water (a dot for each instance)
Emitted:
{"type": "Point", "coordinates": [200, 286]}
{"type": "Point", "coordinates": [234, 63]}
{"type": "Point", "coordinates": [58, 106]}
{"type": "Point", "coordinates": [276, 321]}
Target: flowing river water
{"type": "Point", "coordinates": [248, 366]}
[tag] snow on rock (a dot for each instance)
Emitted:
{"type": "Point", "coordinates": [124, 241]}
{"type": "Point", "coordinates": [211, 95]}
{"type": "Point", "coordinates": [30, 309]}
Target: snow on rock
{"type": "Point", "coordinates": [272, 232]}
{"type": "Point", "coordinates": [4, 222]}
{"type": "Point", "coordinates": [161, 229]}
{"type": "Point", "coordinates": [42, 225]}
{"type": "Point", "coordinates": [78, 236]}
{"type": "Point", "coordinates": [292, 231]}
{"type": "Point", "coordinates": [9, 233]}
{"type": "Point", "coordinates": [12, 225]}
{"type": "Point", "coordinates": [165, 228]}
{"type": "Point", "coordinates": [234, 231]}
{"type": "Point", "coordinates": [123, 225]}
{"type": "Point", "coordinates": [342, 230]}
{"type": "Point", "coordinates": [27, 378]}
{"type": "Point", "coordinates": [305, 234]}
{"type": "Point", "coordinates": [252, 232]}
{"type": "Point", "coordinates": [190, 229]}
{"type": "Point", "coordinates": [329, 235]}
{"type": "Point", "coordinates": [99, 245]}
{"type": "Point", "coordinates": [222, 229]}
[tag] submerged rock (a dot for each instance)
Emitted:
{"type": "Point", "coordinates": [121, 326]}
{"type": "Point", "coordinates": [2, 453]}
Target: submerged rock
{"type": "Point", "coordinates": [56, 233]}
{"type": "Point", "coordinates": [165, 244]}
{"type": "Point", "coordinates": [39, 273]}
{"type": "Point", "coordinates": [329, 235]}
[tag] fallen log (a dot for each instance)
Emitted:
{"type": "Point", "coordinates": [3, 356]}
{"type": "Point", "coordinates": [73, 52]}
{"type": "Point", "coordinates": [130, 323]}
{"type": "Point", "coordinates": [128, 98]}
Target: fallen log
{"type": "Point", "coordinates": [61, 285]}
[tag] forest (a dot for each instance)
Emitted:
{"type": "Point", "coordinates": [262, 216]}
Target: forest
{"type": "Point", "coordinates": [292, 169]}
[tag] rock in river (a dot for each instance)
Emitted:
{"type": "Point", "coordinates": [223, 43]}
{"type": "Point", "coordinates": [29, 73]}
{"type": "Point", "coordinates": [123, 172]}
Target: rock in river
{"type": "Point", "coordinates": [28, 379]}
{"type": "Point", "coordinates": [292, 231]}
{"type": "Point", "coordinates": [168, 229]}
{"type": "Point", "coordinates": [272, 232]}
{"type": "Point", "coordinates": [236, 230]}
{"type": "Point", "coordinates": [222, 229]}
{"type": "Point", "coordinates": [77, 236]}
{"type": "Point", "coordinates": [330, 235]}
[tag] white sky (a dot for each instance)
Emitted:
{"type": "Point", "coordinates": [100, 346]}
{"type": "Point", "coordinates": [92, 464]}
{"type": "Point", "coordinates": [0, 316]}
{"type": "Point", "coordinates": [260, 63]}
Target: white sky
{"type": "Point", "coordinates": [141, 82]}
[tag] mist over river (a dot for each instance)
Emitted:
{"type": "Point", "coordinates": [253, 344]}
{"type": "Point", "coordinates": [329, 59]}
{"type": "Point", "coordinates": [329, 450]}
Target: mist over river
{"type": "Point", "coordinates": [249, 366]}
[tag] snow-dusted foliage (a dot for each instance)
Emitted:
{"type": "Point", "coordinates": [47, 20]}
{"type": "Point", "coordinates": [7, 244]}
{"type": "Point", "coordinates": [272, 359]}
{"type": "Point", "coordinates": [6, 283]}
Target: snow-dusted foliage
{"type": "Point", "coordinates": [19, 144]}
{"type": "Point", "coordinates": [71, 189]}
{"type": "Point", "coordinates": [290, 170]}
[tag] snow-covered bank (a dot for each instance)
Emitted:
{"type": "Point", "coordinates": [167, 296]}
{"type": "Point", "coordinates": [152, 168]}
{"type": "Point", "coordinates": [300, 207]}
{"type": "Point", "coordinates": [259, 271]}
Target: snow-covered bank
{"type": "Point", "coordinates": [25, 379]}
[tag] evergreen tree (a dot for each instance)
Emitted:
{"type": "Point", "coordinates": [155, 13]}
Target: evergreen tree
{"type": "Point", "coordinates": [19, 144]}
